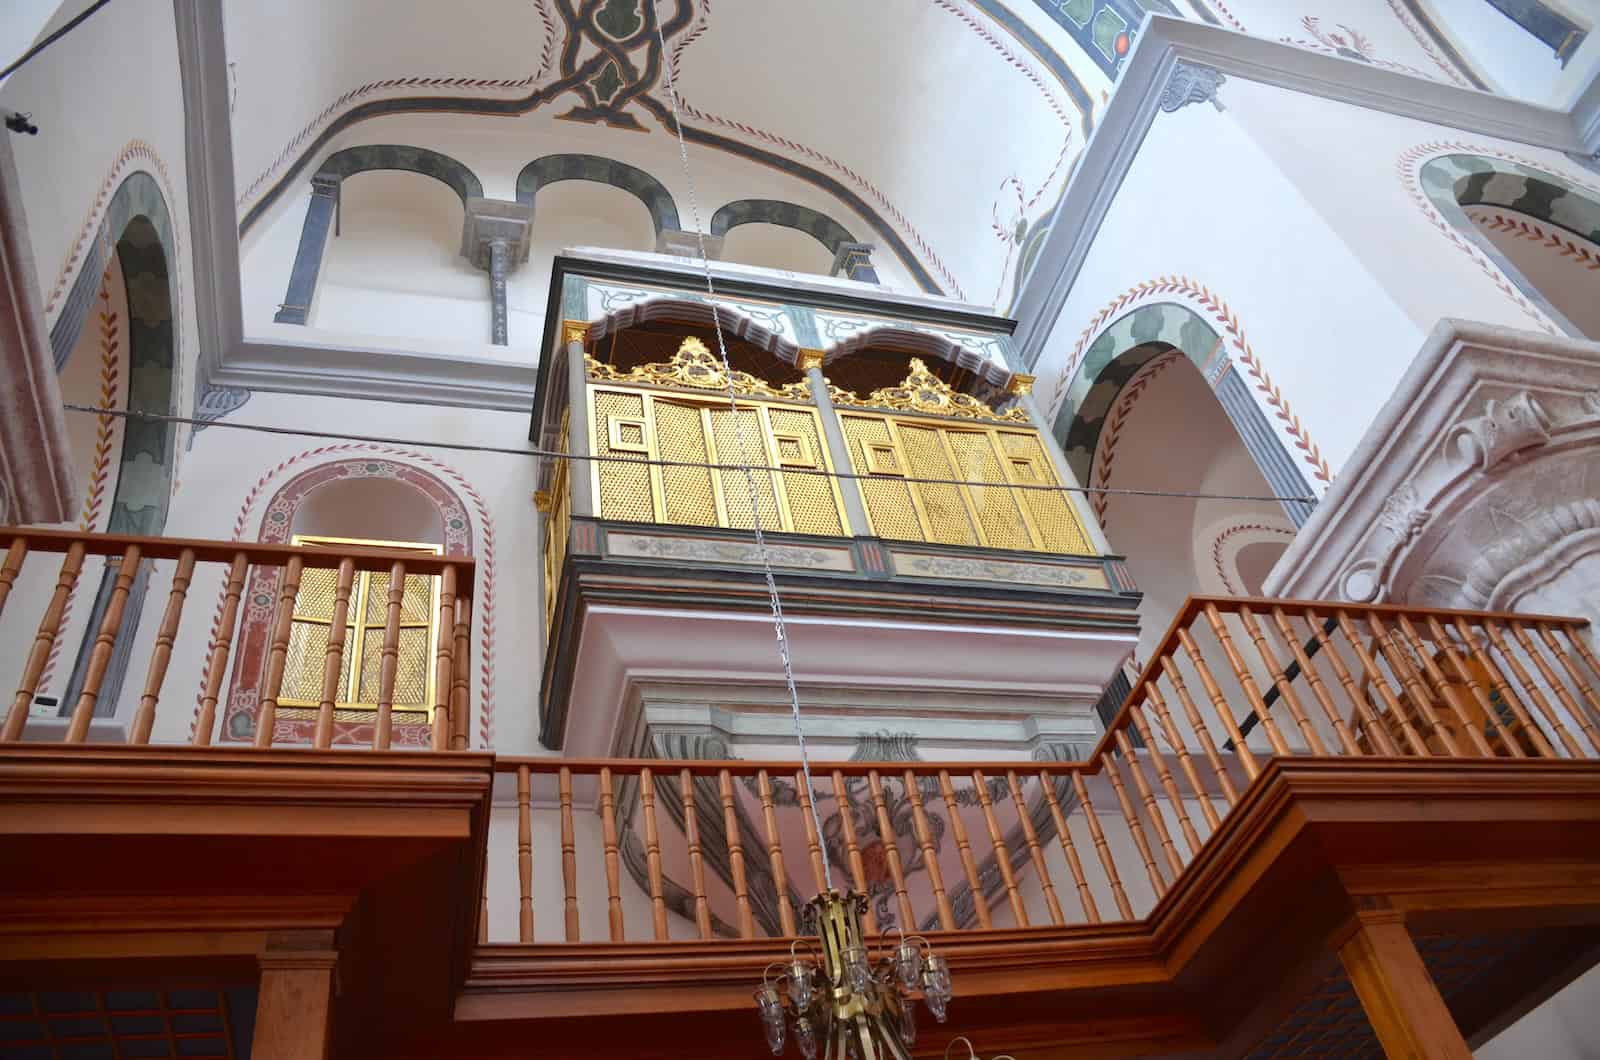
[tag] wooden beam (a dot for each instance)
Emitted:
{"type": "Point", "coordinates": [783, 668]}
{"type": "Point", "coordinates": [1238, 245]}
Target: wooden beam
{"type": "Point", "coordinates": [293, 1015]}
{"type": "Point", "coordinates": [1401, 1001]}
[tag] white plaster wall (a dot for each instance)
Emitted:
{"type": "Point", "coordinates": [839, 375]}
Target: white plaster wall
{"type": "Point", "coordinates": [1567, 1027]}
{"type": "Point", "coordinates": [1385, 32]}
{"type": "Point", "coordinates": [108, 101]}
{"type": "Point", "coordinates": [1204, 207]}
{"type": "Point", "coordinates": [1512, 59]}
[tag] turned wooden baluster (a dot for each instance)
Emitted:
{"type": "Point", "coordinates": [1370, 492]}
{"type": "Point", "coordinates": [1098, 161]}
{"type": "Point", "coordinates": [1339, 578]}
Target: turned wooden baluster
{"type": "Point", "coordinates": [1574, 710]}
{"type": "Point", "coordinates": [217, 665]}
{"type": "Point", "coordinates": [1168, 784]}
{"type": "Point", "coordinates": [852, 846]}
{"type": "Point", "coordinates": [283, 627]}
{"type": "Point", "coordinates": [1441, 686]}
{"type": "Point", "coordinates": [1002, 853]}
{"type": "Point", "coordinates": [1571, 667]}
{"type": "Point", "coordinates": [652, 853]}
{"type": "Point", "coordinates": [1101, 847]}
{"type": "Point", "coordinates": [1224, 711]}
{"type": "Point", "coordinates": [608, 827]}
{"type": "Point", "coordinates": [1525, 680]}
{"type": "Point", "coordinates": [1201, 733]}
{"type": "Point", "coordinates": [1376, 732]}
{"type": "Point", "coordinates": [1186, 763]}
{"type": "Point", "coordinates": [105, 641]}
{"type": "Point", "coordinates": [1269, 659]}
{"type": "Point", "coordinates": [1153, 811]}
{"type": "Point", "coordinates": [49, 629]}
{"type": "Point", "coordinates": [1129, 814]}
{"type": "Point", "coordinates": [1470, 678]}
{"type": "Point", "coordinates": [891, 851]}
{"type": "Point", "coordinates": [919, 819]}
{"type": "Point", "coordinates": [524, 855]}
{"type": "Point", "coordinates": [697, 865]}
{"type": "Point", "coordinates": [443, 669]}
{"type": "Point", "coordinates": [819, 875]}
{"type": "Point", "coordinates": [569, 856]}
{"type": "Point", "coordinates": [1324, 698]}
{"type": "Point", "coordinates": [780, 876]}
{"type": "Point", "coordinates": [1481, 656]}
{"type": "Point", "coordinates": [980, 903]}
{"type": "Point", "coordinates": [8, 570]}
{"type": "Point", "coordinates": [389, 660]}
{"type": "Point", "coordinates": [333, 657]}
{"type": "Point", "coordinates": [1091, 912]}
{"type": "Point", "coordinates": [730, 831]}
{"type": "Point", "coordinates": [1400, 665]}
{"type": "Point", "coordinates": [461, 682]}
{"type": "Point", "coordinates": [1381, 685]}
{"type": "Point", "coordinates": [1246, 680]}
{"type": "Point", "coordinates": [1035, 854]}
{"type": "Point", "coordinates": [144, 718]}
{"type": "Point", "coordinates": [1574, 635]}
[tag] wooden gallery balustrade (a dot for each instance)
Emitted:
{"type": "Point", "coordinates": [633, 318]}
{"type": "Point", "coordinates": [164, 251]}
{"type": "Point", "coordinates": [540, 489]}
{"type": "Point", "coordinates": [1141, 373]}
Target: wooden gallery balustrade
{"type": "Point", "coordinates": [449, 704]}
{"type": "Point", "coordinates": [1235, 682]}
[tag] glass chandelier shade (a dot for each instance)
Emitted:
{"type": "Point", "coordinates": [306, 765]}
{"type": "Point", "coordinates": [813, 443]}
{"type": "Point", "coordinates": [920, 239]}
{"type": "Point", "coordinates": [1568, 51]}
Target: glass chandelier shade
{"type": "Point", "coordinates": [848, 1006]}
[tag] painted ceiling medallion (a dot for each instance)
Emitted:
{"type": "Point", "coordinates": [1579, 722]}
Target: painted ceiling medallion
{"type": "Point", "coordinates": [696, 367]}
{"type": "Point", "coordinates": [922, 391]}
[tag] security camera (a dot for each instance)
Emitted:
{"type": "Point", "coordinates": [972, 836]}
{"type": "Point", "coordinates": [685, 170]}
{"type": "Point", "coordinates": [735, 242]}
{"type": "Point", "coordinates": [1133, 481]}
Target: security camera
{"type": "Point", "coordinates": [18, 122]}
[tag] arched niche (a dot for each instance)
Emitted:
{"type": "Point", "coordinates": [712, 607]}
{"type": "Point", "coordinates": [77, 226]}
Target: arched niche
{"type": "Point", "coordinates": [880, 357]}
{"type": "Point", "coordinates": [552, 169]}
{"type": "Point", "coordinates": [775, 234]}
{"type": "Point", "coordinates": [129, 464]}
{"type": "Point", "coordinates": [1172, 330]}
{"type": "Point", "coordinates": [651, 332]}
{"type": "Point", "coordinates": [394, 265]}
{"type": "Point", "coordinates": [324, 209]}
{"type": "Point", "coordinates": [1540, 230]}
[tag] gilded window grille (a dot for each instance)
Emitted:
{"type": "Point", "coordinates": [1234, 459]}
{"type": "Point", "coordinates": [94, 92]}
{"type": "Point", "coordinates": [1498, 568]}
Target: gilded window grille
{"type": "Point", "coordinates": [987, 511]}
{"type": "Point", "coordinates": [357, 696]}
{"type": "Point", "coordinates": [702, 428]}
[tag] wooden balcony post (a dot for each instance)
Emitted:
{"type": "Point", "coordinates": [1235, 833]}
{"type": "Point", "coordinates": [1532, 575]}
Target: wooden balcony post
{"type": "Point", "coordinates": [49, 627]}
{"type": "Point", "coordinates": [8, 570]}
{"type": "Point", "coordinates": [1401, 1001]}
{"type": "Point", "coordinates": [852, 846]}
{"type": "Point", "coordinates": [1475, 686]}
{"type": "Point", "coordinates": [1002, 853]}
{"type": "Point", "coordinates": [333, 657]}
{"type": "Point", "coordinates": [780, 875]}
{"type": "Point", "coordinates": [652, 854]}
{"type": "Point", "coordinates": [1201, 733]}
{"type": "Point", "coordinates": [524, 855]}
{"type": "Point", "coordinates": [105, 640]}
{"type": "Point", "coordinates": [730, 832]}
{"type": "Point", "coordinates": [389, 660]}
{"type": "Point", "coordinates": [891, 850]}
{"type": "Point", "coordinates": [1035, 854]}
{"type": "Point", "coordinates": [1218, 701]}
{"type": "Point", "coordinates": [1330, 709]}
{"type": "Point", "coordinates": [443, 664]}
{"type": "Point", "coordinates": [145, 718]}
{"type": "Point", "coordinates": [979, 903]}
{"type": "Point", "coordinates": [295, 1005]}
{"type": "Point", "coordinates": [1247, 682]}
{"type": "Point", "coordinates": [697, 865]}
{"type": "Point", "coordinates": [1085, 898]}
{"type": "Point", "coordinates": [608, 827]}
{"type": "Point", "coordinates": [217, 664]}
{"type": "Point", "coordinates": [930, 857]}
{"type": "Point", "coordinates": [282, 628]}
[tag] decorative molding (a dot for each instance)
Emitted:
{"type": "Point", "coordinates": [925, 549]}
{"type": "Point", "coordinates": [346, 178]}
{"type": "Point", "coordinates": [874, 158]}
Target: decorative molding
{"type": "Point", "coordinates": [722, 551]}
{"type": "Point", "coordinates": [1421, 36]}
{"type": "Point", "coordinates": [1191, 83]}
{"type": "Point", "coordinates": [1110, 434]}
{"type": "Point", "coordinates": [1483, 415]}
{"type": "Point", "coordinates": [1349, 43]}
{"type": "Point", "coordinates": [1582, 254]}
{"type": "Point", "coordinates": [1057, 576]}
{"type": "Point", "coordinates": [922, 391]}
{"type": "Point", "coordinates": [694, 366]}
{"type": "Point", "coordinates": [1116, 141]}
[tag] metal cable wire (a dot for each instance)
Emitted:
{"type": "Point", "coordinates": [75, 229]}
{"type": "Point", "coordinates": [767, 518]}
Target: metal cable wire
{"type": "Point", "coordinates": [551, 454]}
{"type": "Point", "coordinates": [780, 630]}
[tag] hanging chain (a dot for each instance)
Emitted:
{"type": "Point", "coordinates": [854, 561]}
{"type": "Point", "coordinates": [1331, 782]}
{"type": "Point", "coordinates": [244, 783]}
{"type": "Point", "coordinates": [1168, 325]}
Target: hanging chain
{"type": "Point", "coordinates": [779, 627]}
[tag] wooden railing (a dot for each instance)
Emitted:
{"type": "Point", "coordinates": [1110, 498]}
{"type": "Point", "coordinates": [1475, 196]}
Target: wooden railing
{"type": "Point", "coordinates": [702, 849]}
{"type": "Point", "coordinates": [450, 706]}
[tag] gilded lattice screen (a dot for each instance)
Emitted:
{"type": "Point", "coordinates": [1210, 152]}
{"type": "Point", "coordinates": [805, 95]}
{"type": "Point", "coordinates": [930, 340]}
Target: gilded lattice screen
{"type": "Point", "coordinates": [986, 509]}
{"type": "Point", "coordinates": [364, 633]}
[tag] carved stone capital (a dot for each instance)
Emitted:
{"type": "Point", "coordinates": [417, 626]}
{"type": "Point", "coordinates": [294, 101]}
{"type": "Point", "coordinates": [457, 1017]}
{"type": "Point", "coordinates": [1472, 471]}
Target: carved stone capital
{"type": "Point", "coordinates": [491, 221]}
{"type": "Point", "coordinates": [687, 244]}
{"type": "Point", "coordinates": [806, 359]}
{"type": "Point", "coordinates": [1191, 83]}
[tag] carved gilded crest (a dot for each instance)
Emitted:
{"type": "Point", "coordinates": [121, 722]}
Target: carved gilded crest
{"type": "Point", "coordinates": [922, 391]}
{"type": "Point", "coordinates": [695, 367]}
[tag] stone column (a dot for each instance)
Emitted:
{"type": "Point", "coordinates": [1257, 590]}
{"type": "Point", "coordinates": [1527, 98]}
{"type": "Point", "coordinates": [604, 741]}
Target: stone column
{"type": "Point", "coordinates": [810, 362]}
{"type": "Point", "coordinates": [320, 212]}
{"type": "Point", "coordinates": [853, 261]}
{"type": "Point", "coordinates": [495, 236]}
{"type": "Point", "coordinates": [293, 1013]}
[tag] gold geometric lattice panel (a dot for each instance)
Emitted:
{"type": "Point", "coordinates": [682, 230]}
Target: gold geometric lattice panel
{"type": "Point", "coordinates": [302, 671]}
{"type": "Point", "coordinates": [317, 589]}
{"type": "Point", "coordinates": [1052, 513]}
{"type": "Point", "coordinates": [944, 505]}
{"type": "Point", "coordinates": [811, 502]}
{"type": "Point", "coordinates": [740, 441]}
{"type": "Point", "coordinates": [411, 668]}
{"type": "Point", "coordinates": [415, 606]}
{"type": "Point", "coordinates": [888, 499]}
{"type": "Point", "coordinates": [624, 488]}
{"type": "Point", "coordinates": [686, 492]}
{"type": "Point", "coordinates": [994, 506]}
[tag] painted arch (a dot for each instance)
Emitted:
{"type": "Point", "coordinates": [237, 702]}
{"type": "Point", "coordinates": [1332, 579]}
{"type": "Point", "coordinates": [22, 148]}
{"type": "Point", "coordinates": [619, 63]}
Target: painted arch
{"type": "Point", "coordinates": [814, 223]}
{"type": "Point", "coordinates": [553, 168]}
{"type": "Point", "coordinates": [1454, 182]}
{"type": "Point", "coordinates": [368, 157]}
{"type": "Point", "coordinates": [1136, 339]}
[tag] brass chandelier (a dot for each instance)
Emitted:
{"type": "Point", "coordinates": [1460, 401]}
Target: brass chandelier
{"type": "Point", "coordinates": [852, 1006]}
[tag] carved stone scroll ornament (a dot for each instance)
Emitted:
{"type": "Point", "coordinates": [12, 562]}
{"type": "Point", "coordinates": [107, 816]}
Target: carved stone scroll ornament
{"type": "Point", "coordinates": [1505, 429]}
{"type": "Point", "coordinates": [1191, 83]}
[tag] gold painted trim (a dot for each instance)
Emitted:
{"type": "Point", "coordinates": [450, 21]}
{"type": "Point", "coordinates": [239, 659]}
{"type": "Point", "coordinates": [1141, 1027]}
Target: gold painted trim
{"type": "Point", "coordinates": [808, 359]}
{"type": "Point", "coordinates": [575, 331]}
{"type": "Point", "coordinates": [922, 391]}
{"type": "Point", "coordinates": [696, 368]}
{"type": "Point", "coordinates": [1021, 384]}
